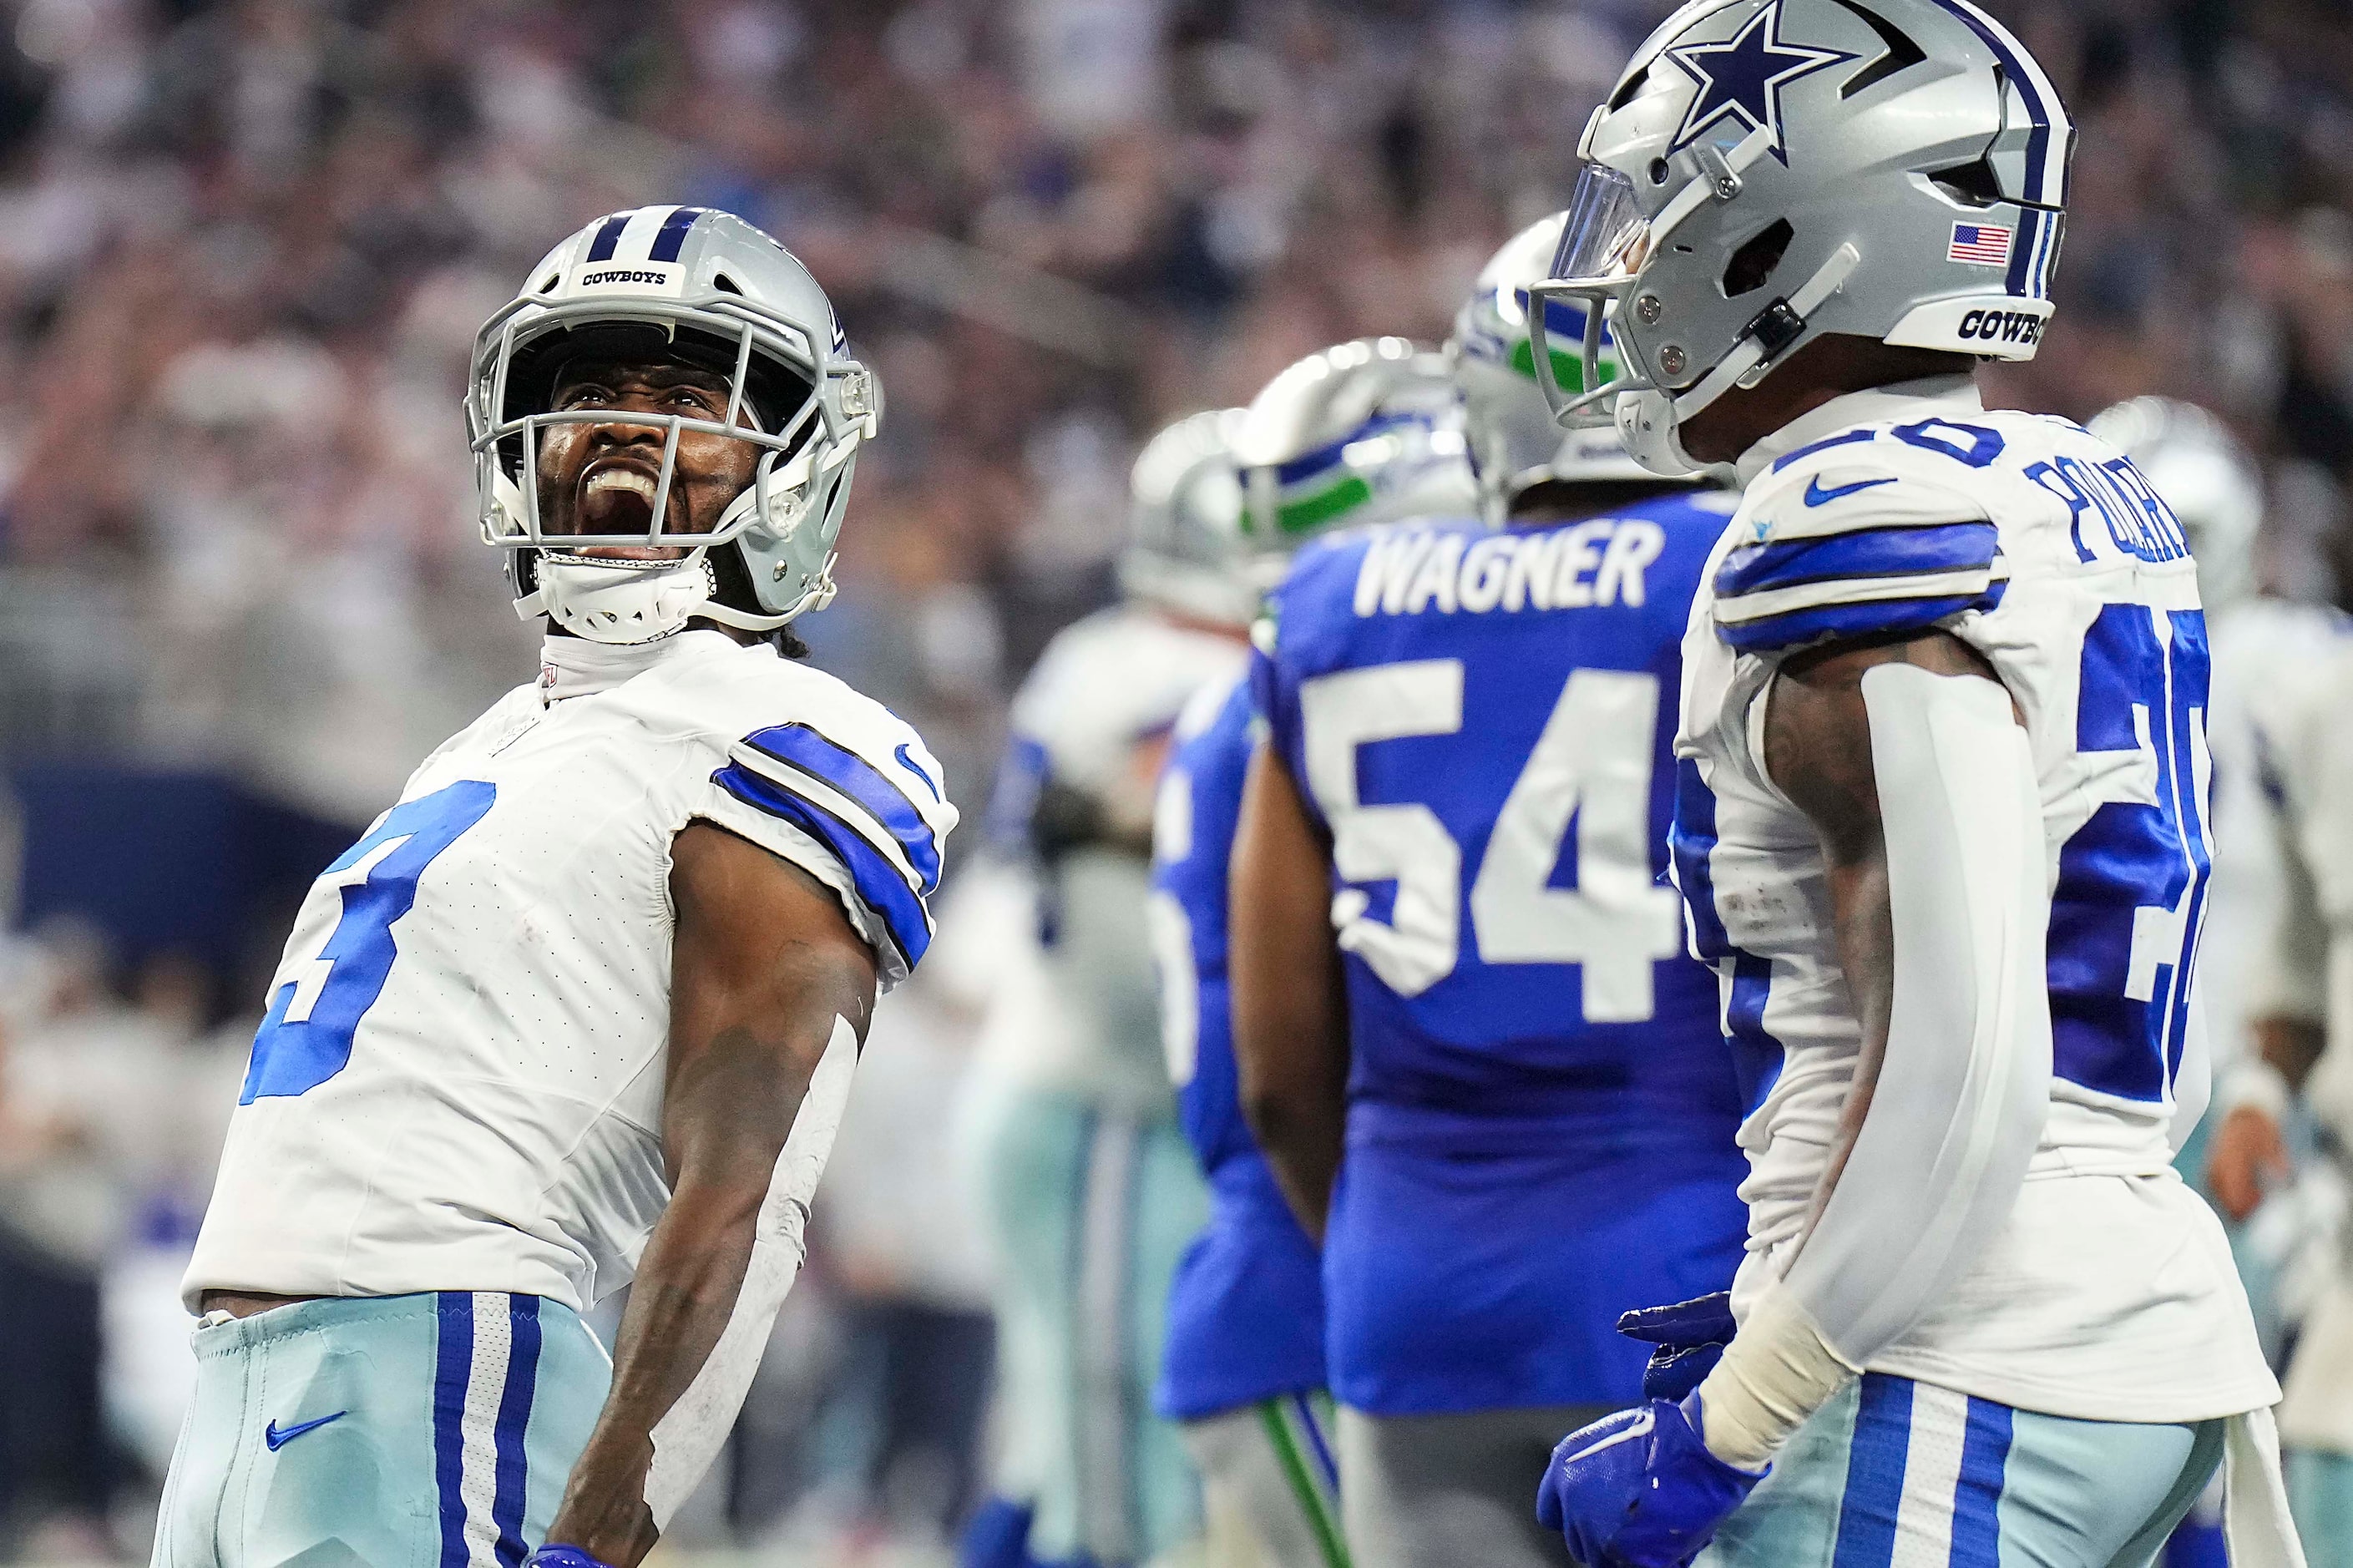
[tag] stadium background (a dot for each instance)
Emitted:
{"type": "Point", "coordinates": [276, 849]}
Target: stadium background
{"type": "Point", "coordinates": [244, 247]}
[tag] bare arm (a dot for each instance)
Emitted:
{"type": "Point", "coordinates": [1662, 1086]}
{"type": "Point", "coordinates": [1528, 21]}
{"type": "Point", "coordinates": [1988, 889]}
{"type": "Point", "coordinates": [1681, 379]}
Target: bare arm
{"type": "Point", "coordinates": [1291, 1012]}
{"type": "Point", "coordinates": [764, 965]}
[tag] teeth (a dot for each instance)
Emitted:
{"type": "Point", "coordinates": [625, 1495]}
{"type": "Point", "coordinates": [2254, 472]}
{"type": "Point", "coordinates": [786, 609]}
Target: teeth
{"type": "Point", "coordinates": [621, 480]}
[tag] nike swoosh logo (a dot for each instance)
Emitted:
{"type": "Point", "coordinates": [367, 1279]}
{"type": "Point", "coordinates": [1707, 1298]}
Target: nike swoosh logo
{"type": "Point", "coordinates": [277, 1439]}
{"type": "Point", "coordinates": [907, 758]}
{"type": "Point", "coordinates": [1817, 496]}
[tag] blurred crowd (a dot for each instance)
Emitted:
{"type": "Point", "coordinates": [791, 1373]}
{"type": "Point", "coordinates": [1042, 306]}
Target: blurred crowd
{"type": "Point", "coordinates": [244, 247]}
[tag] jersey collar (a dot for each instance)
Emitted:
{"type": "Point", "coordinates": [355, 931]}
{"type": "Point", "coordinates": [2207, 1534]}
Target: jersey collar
{"type": "Point", "coordinates": [575, 667]}
{"type": "Point", "coordinates": [1923, 399]}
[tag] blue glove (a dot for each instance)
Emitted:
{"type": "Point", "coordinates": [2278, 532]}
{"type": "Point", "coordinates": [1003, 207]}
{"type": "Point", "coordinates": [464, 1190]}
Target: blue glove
{"type": "Point", "coordinates": [1639, 1489]}
{"type": "Point", "coordinates": [1690, 1337]}
{"type": "Point", "coordinates": [561, 1557]}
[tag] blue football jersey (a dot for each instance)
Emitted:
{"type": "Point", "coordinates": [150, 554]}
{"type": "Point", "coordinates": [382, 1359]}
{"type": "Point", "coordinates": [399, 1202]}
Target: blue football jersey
{"type": "Point", "coordinates": [1542, 1108]}
{"type": "Point", "coordinates": [1246, 1310]}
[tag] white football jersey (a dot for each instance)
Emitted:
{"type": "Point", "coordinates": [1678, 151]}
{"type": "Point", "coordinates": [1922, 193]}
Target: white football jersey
{"type": "Point", "coordinates": [1084, 1016]}
{"type": "Point", "coordinates": [459, 1083]}
{"type": "Point", "coordinates": [2110, 1295]}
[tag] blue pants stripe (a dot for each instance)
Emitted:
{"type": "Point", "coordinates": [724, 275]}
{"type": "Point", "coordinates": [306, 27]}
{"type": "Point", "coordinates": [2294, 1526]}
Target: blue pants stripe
{"type": "Point", "coordinates": [1875, 1476]}
{"type": "Point", "coordinates": [1976, 1503]}
{"type": "Point", "coordinates": [453, 1366]}
{"type": "Point", "coordinates": [514, 1476]}
{"type": "Point", "coordinates": [1325, 1461]}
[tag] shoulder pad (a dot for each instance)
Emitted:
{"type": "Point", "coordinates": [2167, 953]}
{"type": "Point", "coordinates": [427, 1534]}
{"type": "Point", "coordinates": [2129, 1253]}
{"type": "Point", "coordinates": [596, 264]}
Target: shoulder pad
{"type": "Point", "coordinates": [1856, 535]}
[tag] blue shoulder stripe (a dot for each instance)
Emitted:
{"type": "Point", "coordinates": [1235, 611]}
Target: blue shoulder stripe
{"type": "Point", "coordinates": [882, 886]}
{"type": "Point", "coordinates": [852, 776]}
{"type": "Point", "coordinates": [1771, 633]}
{"type": "Point", "coordinates": [1872, 552]}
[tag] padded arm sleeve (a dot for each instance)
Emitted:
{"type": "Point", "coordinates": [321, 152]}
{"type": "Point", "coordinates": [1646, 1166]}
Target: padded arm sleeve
{"type": "Point", "coordinates": [691, 1432]}
{"type": "Point", "coordinates": [1961, 1098]}
{"type": "Point", "coordinates": [1966, 1086]}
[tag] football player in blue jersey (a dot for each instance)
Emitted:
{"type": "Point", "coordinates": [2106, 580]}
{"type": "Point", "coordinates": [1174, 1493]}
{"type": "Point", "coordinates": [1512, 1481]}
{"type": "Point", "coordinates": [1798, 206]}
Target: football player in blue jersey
{"type": "Point", "coordinates": [1243, 1366]}
{"type": "Point", "coordinates": [1453, 958]}
{"type": "Point", "coordinates": [1941, 829]}
{"type": "Point", "coordinates": [582, 1008]}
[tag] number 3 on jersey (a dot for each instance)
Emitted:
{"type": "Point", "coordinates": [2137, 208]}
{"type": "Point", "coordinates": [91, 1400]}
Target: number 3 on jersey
{"type": "Point", "coordinates": [306, 1038]}
{"type": "Point", "coordinates": [1592, 762]}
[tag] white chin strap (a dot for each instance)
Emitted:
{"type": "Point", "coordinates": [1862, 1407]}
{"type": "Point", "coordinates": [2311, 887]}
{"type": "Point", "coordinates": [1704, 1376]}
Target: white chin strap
{"type": "Point", "coordinates": [618, 599]}
{"type": "Point", "coordinates": [1650, 420]}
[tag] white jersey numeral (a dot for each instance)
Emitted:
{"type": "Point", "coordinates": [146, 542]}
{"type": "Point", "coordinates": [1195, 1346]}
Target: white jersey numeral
{"type": "Point", "coordinates": [1592, 765]}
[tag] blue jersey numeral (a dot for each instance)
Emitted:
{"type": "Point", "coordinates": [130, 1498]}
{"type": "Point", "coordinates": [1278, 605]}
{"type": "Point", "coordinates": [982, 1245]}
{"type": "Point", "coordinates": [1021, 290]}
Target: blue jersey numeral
{"type": "Point", "coordinates": [306, 1038]}
{"type": "Point", "coordinates": [2132, 880]}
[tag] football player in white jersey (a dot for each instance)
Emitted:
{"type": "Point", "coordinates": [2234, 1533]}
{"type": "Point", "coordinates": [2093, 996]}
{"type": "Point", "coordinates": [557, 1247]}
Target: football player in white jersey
{"type": "Point", "coordinates": [1942, 833]}
{"type": "Point", "coordinates": [1088, 1183]}
{"type": "Point", "coordinates": [582, 1007]}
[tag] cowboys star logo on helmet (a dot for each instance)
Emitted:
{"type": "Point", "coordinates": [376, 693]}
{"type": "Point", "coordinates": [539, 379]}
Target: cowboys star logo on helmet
{"type": "Point", "coordinates": [1744, 77]}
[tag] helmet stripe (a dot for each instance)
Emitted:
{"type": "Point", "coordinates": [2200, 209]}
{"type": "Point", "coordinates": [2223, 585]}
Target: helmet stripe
{"type": "Point", "coordinates": [608, 236]}
{"type": "Point", "coordinates": [672, 235]}
{"type": "Point", "coordinates": [2047, 149]}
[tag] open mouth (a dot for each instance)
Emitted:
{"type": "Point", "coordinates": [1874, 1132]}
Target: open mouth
{"type": "Point", "coordinates": [617, 498]}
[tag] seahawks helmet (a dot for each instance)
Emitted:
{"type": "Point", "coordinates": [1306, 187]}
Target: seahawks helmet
{"type": "Point", "coordinates": [1185, 551]}
{"type": "Point", "coordinates": [2201, 472]}
{"type": "Point", "coordinates": [1513, 441]}
{"type": "Point", "coordinates": [1768, 171]}
{"type": "Point", "coordinates": [1362, 432]}
{"type": "Point", "coordinates": [680, 285]}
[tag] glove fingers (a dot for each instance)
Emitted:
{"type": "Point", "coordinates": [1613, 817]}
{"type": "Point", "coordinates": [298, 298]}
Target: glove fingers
{"type": "Point", "coordinates": [1702, 1321]}
{"type": "Point", "coordinates": [1674, 1372]}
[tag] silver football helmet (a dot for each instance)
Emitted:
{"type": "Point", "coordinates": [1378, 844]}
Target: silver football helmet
{"type": "Point", "coordinates": [1513, 440]}
{"type": "Point", "coordinates": [1768, 171]}
{"type": "Point", "coordinates": [697, 287]}
{"type": "Point", "coordinates": [1365, 431]}
{"type": "Point", "coordinates": [1185, 546]}
{"type": "Point", "coordinates": [2210, 482]}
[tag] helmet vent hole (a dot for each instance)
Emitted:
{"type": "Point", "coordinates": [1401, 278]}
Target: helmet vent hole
{"type": "Point", "coordinates": [1902, 53]}
{"type": "Point", "coordinates": [1626, 91]}
{"type": "Point", "coordinates": [1753, 262]}
{"type": "Point", "coordinates": [548, 283]}
{"type": "Point", "coordinates": [1975, 184]}
{"type": "Point", "coordinates": [725, 284]}
{"type": "Point", "coordinates": [1658, 171]}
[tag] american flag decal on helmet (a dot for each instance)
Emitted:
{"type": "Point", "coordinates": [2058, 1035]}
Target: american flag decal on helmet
{"type": "Point", "coordinates": [1986, 243]}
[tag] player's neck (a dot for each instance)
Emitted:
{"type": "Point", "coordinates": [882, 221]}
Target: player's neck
{"type": "Point", "coordinates": [575, 667]}
{"type": "Point", "coordinates": [1830, 367]}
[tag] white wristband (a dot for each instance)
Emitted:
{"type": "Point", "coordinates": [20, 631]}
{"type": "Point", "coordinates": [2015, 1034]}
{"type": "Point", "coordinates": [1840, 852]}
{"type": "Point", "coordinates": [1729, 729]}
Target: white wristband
{"type": "Point", "coordinates": [1777, 1371]}
{"type": "Point", "coordinates": [2256, 1083]}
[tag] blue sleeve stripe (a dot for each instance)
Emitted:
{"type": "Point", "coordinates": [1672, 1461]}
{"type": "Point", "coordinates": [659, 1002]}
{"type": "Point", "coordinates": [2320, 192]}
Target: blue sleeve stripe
{"type": "Point", "coordinates": [882, 886]}
{"type": "Point", "coordinates": [1837, 621]}
{"type": "Point", "coordinates": [852, 775]}
{"type": "Point", "coordinates": [1874, 552]}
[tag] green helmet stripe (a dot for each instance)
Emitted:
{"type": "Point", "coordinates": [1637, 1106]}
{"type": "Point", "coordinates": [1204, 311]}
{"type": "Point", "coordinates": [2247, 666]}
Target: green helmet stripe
{"type": "Point", "coordinates": [1568, 369]}
{"type": "Point", "coordinates": [1315, 511]}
